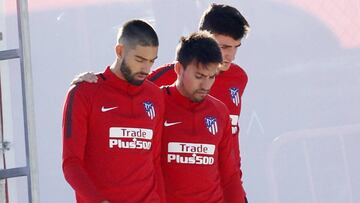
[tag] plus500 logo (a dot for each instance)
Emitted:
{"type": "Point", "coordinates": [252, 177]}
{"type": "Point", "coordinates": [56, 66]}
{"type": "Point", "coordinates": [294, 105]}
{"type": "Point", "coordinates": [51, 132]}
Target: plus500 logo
{"type": "Point", "coordinates": [130, 138]}
{"type": "Point", "coordinates": [190, 153]}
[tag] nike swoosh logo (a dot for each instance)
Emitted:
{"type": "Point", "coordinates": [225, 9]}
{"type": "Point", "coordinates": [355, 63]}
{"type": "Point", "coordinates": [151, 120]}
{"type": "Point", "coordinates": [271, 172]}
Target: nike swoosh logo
{"type": "Point", "coordinates": [103, 109]}
{"type": "Point", "coordinates": [166, 124]}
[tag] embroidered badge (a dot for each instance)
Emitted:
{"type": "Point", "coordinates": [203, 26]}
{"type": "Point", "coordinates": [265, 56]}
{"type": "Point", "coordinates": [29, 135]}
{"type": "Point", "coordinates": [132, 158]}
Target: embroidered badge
{"type": "Point", "coordinates": [211, 124]}
{"type": "Point", "coordinates": [149, 108]}
{"type": "Point", "coordinates": [234, 93]}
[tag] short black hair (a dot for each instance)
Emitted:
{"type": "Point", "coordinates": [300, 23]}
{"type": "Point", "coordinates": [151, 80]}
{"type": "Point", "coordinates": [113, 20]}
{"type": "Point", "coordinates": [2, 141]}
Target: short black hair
{"type": "Point", "coordinates": [199, 47]}
{"type": "Point", "coordinates": [225, 20]}
{"type": "Point", "coordinates": [137, 32]}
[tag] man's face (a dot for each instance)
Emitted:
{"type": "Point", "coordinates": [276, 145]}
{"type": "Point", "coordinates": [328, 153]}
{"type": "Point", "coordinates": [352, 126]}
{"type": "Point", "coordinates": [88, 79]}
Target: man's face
{"type": "Point", "coordinates": [228, 46]}
{"type": "Point", "coordinates": [137, 63]}
{"type": "Point", "coordinates": [196, 80]}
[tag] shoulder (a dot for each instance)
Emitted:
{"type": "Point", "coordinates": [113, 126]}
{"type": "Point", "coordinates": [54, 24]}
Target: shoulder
{"type": "Point", "coordinates": [217, 105]}
{"type": "Point", "coordinates": [86, 89]}
{"type": "Point", "coordinates": [153, 89]}
{"type": "Point", "coordinates": [162, 69]}
{"type": "Point", "coordinates": [218, 109]}
{"type": "Point", "coordinates": [237, 71]}
{"type": "Point", "coordinates": [154, 94]}
{"type": "Point", "coordinates": [161, 72]}
{"type": "Point", "coordinates": [151, 86]}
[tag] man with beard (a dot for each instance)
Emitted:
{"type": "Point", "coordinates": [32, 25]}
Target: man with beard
{"type": "Point", "coordinates": [112, 128]}
{"type": "Point", "coordinates": [196, 141]}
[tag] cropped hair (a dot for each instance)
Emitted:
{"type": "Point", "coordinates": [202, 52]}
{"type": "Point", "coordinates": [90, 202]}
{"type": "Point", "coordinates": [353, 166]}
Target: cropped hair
{"type": "Point", "coordinates": [199, 47]}
{"type": "Point", "coordinates": [137, 32]}
{"type": "Point", "coordinates": [225, 20]}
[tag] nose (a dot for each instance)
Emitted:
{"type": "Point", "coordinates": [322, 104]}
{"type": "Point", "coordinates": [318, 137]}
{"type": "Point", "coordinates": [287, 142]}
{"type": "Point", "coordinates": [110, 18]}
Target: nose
{"type": "Point", "coordinates": [207, 83]}
{"type": "Point", "coordinates": [230, 54]}
{"type": "Point", "coordinates": [147, 66]}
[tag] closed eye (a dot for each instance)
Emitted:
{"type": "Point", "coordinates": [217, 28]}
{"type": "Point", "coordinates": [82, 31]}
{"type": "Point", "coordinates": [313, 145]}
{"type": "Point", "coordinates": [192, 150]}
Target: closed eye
{"type": "Point", "coordinates": [224, 46]}
{"type": "Point", "coordinates": [141, 59]}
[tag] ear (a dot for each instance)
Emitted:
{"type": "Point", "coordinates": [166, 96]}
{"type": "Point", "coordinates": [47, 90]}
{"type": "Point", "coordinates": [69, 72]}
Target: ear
{"type": "Point", "coordinates": [119, 49]}
{"type": "Point", "coordinates": [178, 68]}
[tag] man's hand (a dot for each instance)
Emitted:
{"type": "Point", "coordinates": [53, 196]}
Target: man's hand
{"type": "Point", "coordinates": [86, 76]}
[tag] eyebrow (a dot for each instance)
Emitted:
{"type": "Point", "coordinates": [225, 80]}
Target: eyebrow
{"type": "Point", "coordinates": [206, 75]}
{"type": "Point", "coordinates": [143, 58]}
{"type": "Point", "coordinates": [226, 45]}
{"type": "Point", "coordinates": [200, 74]}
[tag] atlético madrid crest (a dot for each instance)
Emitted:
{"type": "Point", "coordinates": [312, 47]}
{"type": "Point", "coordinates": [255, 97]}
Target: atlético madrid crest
{"type": "Point", "coordinates": [149, 108]}
{"type": "Point", "coordinates": [234, 93]}
{"type": "Point", "coordinates": [211, 124]}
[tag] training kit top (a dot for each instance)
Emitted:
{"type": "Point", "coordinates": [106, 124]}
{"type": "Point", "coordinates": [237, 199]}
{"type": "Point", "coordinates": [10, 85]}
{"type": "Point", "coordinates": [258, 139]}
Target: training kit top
{"type": "Point", "coordinates": [111, 140]}
{"type": "Point", "coordinates": [228, 87]}
{"type": "Point", "coordinates": [197, 160]}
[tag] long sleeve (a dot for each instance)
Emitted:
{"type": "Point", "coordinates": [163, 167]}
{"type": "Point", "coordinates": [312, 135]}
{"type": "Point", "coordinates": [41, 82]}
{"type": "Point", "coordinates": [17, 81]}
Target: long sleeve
{"type": "Point", "coordinates": [242, 83]}
{"type": "Point", "coordinates": [157, 162]}
{"type": "Point", "coordinates": [230, 174]}
{"type": "Point", "coordinates": [75, 116]}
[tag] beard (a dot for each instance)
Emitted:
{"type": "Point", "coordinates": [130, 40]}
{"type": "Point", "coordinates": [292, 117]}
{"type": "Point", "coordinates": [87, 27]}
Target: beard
{"type": "Point", "coordinates": [193, 96]}
{"type": "Point", "coordinates": [129, 77]}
